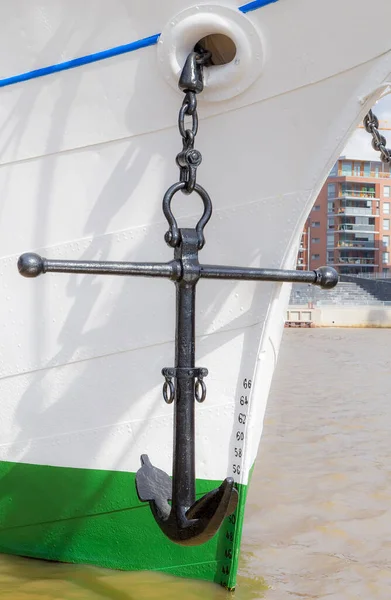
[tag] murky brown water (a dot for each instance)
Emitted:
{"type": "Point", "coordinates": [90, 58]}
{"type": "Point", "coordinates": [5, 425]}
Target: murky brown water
{"type": "Point", "coordinates": [318, 521]}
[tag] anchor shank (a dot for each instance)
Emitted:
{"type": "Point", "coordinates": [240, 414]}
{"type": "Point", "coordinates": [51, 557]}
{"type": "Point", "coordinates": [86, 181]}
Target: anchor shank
{"type": "Point", "coordinates": [184, 450]}
{"type": "Point", "coordinates": [183, 472]}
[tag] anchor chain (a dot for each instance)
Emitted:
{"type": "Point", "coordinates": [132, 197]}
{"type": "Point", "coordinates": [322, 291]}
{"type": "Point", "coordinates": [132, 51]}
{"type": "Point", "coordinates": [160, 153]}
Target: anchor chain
{"type": "Point", "coordinates": [371, 125]}
{"type": "Point", "coordinates": [189, 159]}
{"type": "Point", "coordinates": [191, 82]}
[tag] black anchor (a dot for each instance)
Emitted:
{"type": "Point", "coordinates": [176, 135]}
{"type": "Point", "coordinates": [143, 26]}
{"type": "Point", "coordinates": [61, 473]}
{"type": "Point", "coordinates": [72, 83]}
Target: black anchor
{"type": "Point", "coordinates": [186, 521]}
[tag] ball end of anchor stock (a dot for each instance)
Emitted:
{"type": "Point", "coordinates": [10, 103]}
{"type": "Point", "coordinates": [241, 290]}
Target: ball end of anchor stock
{"type": "Point", "coordinates": [326, 277]}
{"type": "Point", "coordinates": [31, 265]}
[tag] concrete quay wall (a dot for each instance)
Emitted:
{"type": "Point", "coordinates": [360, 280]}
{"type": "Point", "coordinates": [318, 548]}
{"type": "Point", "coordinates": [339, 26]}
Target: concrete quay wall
{"type": "Point", "coordinates": [335, 316]}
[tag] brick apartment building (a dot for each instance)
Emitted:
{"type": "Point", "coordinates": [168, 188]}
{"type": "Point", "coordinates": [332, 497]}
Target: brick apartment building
{"type": "Point", "coordinates": [349, 224]}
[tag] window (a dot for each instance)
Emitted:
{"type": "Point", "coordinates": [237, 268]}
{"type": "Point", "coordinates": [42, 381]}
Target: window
{"type": "Point", "coordinates": [315, 240]}
{"type": "Point", "coordinates": [357, 169]}
{"type": "Point", "coordinates": [346, 167]}
{"type": "Point", "coordinates": [330, 224]}
{"type": "Point", "coordinates": [316, 224]}
{"type": "Point", "coordinates": [386, 191]}
{"type": "Point", "coordinates": [367, 169]}
{"type": "Point", "coordinates": [330, 257]}
{"type": "Point", "coordinates": [334, 170]}
{"type": "Point", "coordinates": [331, 190]}
{"type": "Point", "coordinates": [315, 256]}
{"type": "Point", "coordinates": [386, 241]}
{"type": "Point", "coordinates": [386, 208]}
{"type": "Point", "coordinates": [316, 207]}
{"type": "Point", "coordinates": [330, 207]}
{"type": "Point", "coordinates": [386, 258]}
{"type": "Point", "coordinates": [386, 224]}
{"type": "Point", "coordinates": [330, 240]}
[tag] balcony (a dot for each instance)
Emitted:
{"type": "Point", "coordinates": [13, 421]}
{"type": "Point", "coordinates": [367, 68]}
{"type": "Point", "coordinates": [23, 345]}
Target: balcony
{"type": "Point", "coordinates": [375, 174]}
{"type": "Point", "coordinates": [355, 260]}
{"type": "Point", "coordinates": [353, 227]}
{"type": "Point", "coordinates": [353, 211]}
{"type": "Point", "coordinates": [354, 195]}
{"type": "Point", "coordinates": [346, 245]}
{"type": "Point", "coordinates": [358, 195]}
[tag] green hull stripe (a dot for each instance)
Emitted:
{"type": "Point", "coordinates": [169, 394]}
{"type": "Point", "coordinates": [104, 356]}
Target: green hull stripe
{"type": "Point", "coordinates": [95, 517]}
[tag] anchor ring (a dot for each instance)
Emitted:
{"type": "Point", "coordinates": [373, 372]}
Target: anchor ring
{"type": "Point", "coordinates": [199, 394]}
{"type": "Point", "coordinates": [172, 236]}
{"type": "Point", "coordinates": [168, 391]}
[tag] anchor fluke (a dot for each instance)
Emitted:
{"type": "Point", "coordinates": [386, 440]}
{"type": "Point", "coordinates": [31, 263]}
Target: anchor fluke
{"type": "Point", "coordinates": [31, 264]}
{"type": "Point", "coordinates": [183, 525]}
{"type": "Point", "coordinates": [207, 505]}
{"type": "Point", "coordinates": [154, 485]}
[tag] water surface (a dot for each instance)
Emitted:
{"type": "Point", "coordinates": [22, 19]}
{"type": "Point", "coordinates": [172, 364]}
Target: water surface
{"type": "Point", "coordinates": [318, 518]}
{"type": "Point", "coordinates": [318, 523]}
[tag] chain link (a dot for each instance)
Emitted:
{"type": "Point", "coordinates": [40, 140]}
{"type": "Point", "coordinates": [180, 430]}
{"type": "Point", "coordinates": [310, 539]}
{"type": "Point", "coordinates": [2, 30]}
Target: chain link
{"type": "Point", "coordinates": [371, 125]}
{"type": "Point", "coordinates": [189, 159]}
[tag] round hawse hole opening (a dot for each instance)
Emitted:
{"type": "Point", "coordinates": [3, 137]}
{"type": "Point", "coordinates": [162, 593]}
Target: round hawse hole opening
{"type": "Point", "coordinates": [223, 49]}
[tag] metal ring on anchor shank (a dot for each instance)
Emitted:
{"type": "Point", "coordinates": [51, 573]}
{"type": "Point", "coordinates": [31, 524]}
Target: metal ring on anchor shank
{"type": "Point", "coordinates": [168, 391]}
{"type": "Point", "coordinates": [199, 396]}
{"type": "Point", "coordinates": [172, 236]}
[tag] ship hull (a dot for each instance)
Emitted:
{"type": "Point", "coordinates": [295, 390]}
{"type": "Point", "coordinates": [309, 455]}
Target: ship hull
{"type": "Point", "coordinates": [87, 152]}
